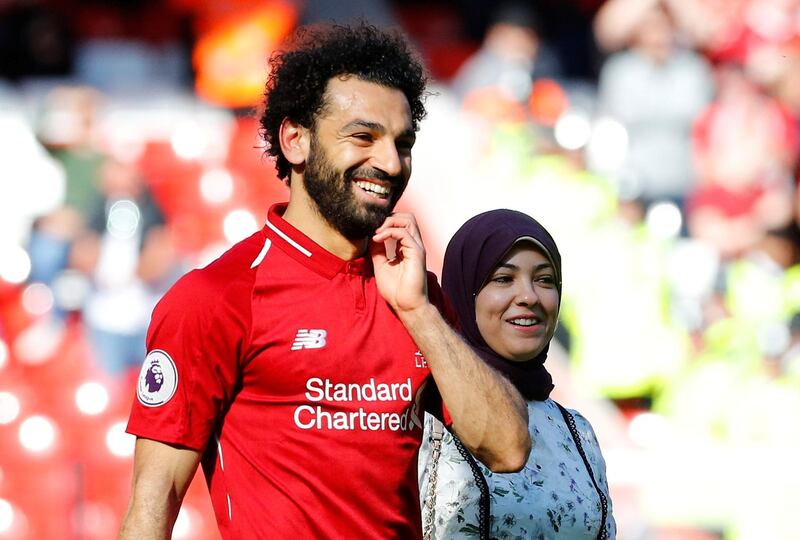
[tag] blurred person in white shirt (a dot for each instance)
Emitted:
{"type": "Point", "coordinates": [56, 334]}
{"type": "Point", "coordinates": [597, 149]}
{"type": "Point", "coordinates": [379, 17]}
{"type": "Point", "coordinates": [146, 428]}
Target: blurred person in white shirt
{"type": "Point", "coordinates": [656, 88]}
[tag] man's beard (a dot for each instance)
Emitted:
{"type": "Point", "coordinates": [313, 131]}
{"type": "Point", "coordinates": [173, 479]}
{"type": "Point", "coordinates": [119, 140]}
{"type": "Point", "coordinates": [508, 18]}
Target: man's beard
{"type": "Point", "coordinates": [332, 191]}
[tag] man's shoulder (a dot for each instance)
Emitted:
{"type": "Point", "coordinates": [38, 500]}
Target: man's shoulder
{"type": "Point", "coordinates": [231, 271]}
{"type": "Point", "coordinates": [237, 262]}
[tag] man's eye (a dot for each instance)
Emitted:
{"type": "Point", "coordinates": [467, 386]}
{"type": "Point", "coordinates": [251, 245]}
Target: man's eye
{"type": "Point", "coordinates": [365, 137]}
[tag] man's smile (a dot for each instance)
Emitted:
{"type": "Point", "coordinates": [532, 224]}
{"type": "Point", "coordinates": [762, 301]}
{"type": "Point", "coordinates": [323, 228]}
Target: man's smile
{"type": "Point", "coordinates": [373, 188]}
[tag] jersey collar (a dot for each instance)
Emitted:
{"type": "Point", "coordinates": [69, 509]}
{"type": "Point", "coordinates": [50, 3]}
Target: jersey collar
{"type": "Point", "coordinates": [307, 252]}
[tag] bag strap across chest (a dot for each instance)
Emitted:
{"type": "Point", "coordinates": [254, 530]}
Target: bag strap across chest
{"type": "Point", "coordinates": [437, 433]}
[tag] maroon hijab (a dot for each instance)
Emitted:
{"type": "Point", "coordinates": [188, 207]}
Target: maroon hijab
{"type": "Point", "coordinates": [472, 255]}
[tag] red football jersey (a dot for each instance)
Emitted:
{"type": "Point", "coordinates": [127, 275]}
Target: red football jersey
{"type": "Point", "coordinates": [285, 365]}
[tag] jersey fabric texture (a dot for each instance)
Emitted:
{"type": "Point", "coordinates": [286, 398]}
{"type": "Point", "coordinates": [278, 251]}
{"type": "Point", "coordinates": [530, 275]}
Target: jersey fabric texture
{"type": "Point", "coordinates": [286, 367]}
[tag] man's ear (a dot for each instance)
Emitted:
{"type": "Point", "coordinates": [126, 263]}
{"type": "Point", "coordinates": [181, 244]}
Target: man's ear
{"type": "Point", "coordinates": [295, 141]}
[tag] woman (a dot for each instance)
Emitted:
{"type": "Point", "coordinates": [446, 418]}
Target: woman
{"type": "Point", "coordinates": [502, 272]}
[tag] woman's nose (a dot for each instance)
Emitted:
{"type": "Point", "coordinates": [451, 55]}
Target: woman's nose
{"type": "Point", "coordinates": [526, 294]}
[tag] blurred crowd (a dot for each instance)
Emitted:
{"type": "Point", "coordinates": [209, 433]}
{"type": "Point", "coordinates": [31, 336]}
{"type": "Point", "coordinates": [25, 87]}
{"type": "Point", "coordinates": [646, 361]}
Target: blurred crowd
{"type": "Point", "coordinates": [659, 140]}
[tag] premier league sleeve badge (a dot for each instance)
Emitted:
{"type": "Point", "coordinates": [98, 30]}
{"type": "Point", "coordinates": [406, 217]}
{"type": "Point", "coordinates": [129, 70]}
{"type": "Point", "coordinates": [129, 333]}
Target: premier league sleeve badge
{"type": "Point", "coordinates": [158, 379]}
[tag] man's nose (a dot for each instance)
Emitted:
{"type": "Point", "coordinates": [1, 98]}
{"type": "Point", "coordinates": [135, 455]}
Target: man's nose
{"type": "Point", "coordinates": [387, 158]}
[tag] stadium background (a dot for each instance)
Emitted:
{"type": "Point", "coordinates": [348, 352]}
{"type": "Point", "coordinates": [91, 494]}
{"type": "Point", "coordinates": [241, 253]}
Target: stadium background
{"type": "Point", "coordinates": [660, 148]}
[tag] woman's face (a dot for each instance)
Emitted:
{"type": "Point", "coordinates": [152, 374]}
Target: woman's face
{"type": "Point", "coordinates": [517, 308]}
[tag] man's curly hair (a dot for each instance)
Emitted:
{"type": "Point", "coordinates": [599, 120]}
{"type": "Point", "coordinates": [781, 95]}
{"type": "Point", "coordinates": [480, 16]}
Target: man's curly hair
{"type": "Point", "coordinates": [299, 75]}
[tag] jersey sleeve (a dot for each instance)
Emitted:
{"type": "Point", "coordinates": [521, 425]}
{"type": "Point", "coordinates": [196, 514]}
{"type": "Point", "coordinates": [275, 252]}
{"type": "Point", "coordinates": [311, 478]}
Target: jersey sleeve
{"type": "Point", "coordinates": [194, 344]}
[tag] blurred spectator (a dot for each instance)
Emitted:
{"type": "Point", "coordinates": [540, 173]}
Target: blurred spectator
{"type": "Point", "coordinates": [511, 55]}
{"type": "Point", "coordinates": [655, 88]}
{"type": "Point", "coordinates": [745, 146]}
{"type": "Point", "coordinates": [618, 20]}
{"type": "Point", "coordinates": [758, 286]}
{"type": "Point", "coordinates": [68, 131]}
{"type": "Point", "coordinates": [129, 256]}
{"type": "Point", "coordinates": [565, 25]}
{"type": "Point", "coordinates": [749, 32]}
{"type": "Point", "coordinates": [130, 46]}
{"type": "Point", "coordinates": [637, 355]}
{"type": "Point", "coordinates": [786, 85]}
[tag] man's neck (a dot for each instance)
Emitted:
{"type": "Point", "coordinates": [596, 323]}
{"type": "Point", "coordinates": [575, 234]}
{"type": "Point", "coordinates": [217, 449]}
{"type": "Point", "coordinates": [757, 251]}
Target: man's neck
{"type": "Point", "coordinates": [303, 215]}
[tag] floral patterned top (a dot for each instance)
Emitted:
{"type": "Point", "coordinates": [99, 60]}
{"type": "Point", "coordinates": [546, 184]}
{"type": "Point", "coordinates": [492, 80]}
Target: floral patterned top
{"type": "Point", "coordinates": [552, 497]}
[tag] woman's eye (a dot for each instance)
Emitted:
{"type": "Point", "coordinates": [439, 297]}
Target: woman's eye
{"type": "Point", "coordinates": [502, 279]}
{"type": "Point", "coordinates": [546, 280]}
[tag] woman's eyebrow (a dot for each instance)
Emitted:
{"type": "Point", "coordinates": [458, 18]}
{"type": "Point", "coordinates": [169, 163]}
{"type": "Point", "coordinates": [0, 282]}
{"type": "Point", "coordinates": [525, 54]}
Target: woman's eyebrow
{"type": "Point", "coordinates": [538, 267]}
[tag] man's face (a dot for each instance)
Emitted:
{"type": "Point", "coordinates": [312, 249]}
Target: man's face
{"type": "Point", "coordinates": [359, 157]}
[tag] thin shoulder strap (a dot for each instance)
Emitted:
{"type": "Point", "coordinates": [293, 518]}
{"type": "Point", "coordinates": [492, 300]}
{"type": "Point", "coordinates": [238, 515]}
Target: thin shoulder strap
{"type": "Point", "coordinates": [570, 420]}
{"type": "Point", "coordinates": [483, 486]}
{"type": "Point", "coordinates": [429, 509]}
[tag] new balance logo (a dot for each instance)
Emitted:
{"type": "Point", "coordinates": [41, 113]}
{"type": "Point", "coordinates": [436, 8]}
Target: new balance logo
{"type": "Point", "coordinates": [309, 339]}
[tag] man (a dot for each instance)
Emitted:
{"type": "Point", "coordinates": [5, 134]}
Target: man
{"type": "Point", "coordinates": [295, 365]}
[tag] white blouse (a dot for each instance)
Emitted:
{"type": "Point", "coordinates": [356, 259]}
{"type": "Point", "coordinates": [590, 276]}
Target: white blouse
{"type": "Point", "coordinates": [552, 497]}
